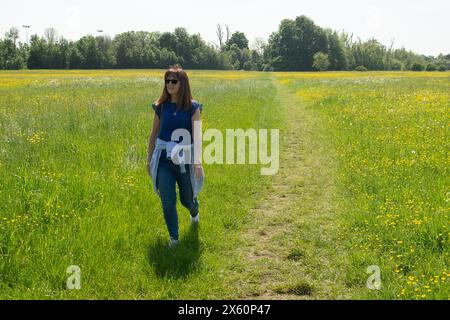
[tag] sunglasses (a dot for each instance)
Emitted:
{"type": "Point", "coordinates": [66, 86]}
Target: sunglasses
{"type": "Point", "coordinates": [173, 81]}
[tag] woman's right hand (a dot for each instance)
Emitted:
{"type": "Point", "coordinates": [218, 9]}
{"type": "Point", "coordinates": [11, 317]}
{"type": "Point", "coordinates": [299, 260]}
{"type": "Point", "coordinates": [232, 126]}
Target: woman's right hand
{"type": "Point", "coordinates": [198, 170]}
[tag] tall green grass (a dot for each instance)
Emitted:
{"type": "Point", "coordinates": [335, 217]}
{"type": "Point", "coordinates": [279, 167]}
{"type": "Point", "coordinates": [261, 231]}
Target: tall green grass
{"type": "Point", "coordinates": [391, 136]}
{"type": "Point", "coordinates": [74, 188]}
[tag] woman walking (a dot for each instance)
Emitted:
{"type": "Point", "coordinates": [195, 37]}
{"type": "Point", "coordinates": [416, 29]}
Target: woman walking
{"type": "Point", "coordinates": [175, 109]}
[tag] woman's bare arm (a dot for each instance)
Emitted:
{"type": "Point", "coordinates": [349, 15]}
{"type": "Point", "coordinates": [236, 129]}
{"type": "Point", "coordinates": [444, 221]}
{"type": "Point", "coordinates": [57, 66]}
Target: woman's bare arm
{"type": "Point", "coordinates": [198, 169]}
{"type": "Point", "coordinates": [153, 135]}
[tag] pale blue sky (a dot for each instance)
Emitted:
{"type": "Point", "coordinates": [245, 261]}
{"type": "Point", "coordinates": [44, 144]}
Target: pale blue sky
{"type": "Point", "coordinates": [421, 26]}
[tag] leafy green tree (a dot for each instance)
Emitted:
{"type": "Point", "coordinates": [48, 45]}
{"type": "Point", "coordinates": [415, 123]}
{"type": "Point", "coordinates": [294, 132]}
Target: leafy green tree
{"type": "Point", "coordinates": [431, 67]}
{"type": "Point", "coordinates": [281, 52]}
{"type": "Point", "coordinates": [369, 54]}
{"type": "Point", "coordinates": [123, 46]}
{"type": "Point", "coordinates": [443, 60]}
{"type": "Point", "coordinates": [239, 39]}
{"type": "Point", "coordinates": [106, 52]}
{"type": "Point", "coordinates": [396, 65]}
{"type": "Point", "coordinates": [235, 56]}
{"type": "Point", "coordinates": [2, 55]}
{"type": "Point", "coordinates": [293, 46]}
{"type": "Point", "coordinates": [11, 56]}
{"type": "Point", "coordinates": [57, 54]}
{"type": "Point", "coordinates": [76, 60]}
{"type": "Point", "coordinates": [37, 53]}
{"type": "Point", "coordinates": [416, 66]}
{"type": "Point", "coordinates": [336, 51]}
{"type": "Point", "coordinates": [224, 60]}
{"type": "Point", "coordinates": [12, 35]}
{"type": "Point", "coordinates": [88, 48]}
{"type": "Point", "coordinates": [321, 61]}
{"type": "Point", "coordinates": [312, 39]}
{"type": "Point", "coordinates": [407, 58]}
{"type": "Point", "coordinates": [167, 57]}
{"type": "Point", "coordinates": [183, 46]}
{"type": "Point", "coordinates": [249, 66]}
{"type": "Point", "coordinates": [360, 68]}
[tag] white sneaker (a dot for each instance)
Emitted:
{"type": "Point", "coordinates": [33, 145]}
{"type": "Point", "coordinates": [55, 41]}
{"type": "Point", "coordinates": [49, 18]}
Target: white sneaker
{"type": "Point", "coordinates": [194, 220]}
{"type": "Point", "coordinates": [173, 242]}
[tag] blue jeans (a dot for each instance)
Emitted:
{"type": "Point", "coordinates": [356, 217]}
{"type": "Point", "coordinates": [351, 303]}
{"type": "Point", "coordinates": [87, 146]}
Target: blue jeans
{"type": "Point", "coordinates": [169, 174]}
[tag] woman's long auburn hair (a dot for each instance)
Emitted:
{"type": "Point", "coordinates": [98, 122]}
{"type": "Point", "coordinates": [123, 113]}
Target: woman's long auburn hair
{"type": "Point", "coordinates": [184, 94]}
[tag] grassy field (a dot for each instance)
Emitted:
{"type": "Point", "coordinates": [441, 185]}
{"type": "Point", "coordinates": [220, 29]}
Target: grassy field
{"type": "Point", "coordinates": [368, 186]}
{"type": "Point", "coordinates": [390, 133]}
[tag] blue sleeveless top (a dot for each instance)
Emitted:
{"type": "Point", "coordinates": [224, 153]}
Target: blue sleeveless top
{"type": "Point", "coordinates": [172, 119]}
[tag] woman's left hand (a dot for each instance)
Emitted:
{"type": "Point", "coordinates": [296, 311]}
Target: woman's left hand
{"type": "Point", "coordinates": [198, 169]}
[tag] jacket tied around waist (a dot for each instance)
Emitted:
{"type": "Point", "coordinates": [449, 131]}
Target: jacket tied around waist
{"type": "Point", "coordinates": [175, 152]}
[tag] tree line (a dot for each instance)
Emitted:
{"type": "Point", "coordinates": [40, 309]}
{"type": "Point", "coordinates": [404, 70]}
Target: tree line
{"type": "Point", "coordinates": [297, 45]}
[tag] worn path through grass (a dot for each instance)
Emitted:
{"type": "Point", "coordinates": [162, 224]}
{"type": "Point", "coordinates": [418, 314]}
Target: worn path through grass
{"type": "Point", "coordinates": [290, 248]}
